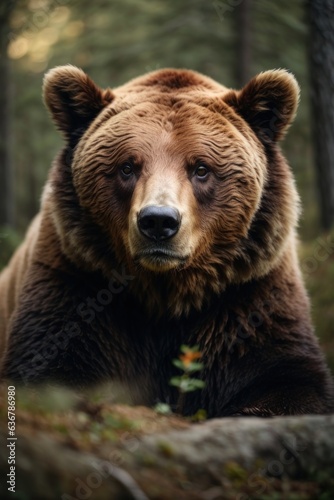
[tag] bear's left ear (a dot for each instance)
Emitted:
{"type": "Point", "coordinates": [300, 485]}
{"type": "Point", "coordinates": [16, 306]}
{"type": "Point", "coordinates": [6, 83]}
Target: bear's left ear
{"type": "Point", "coordinates": [73, 99]}
{"type": "Point", "coordinates": [268, 103]}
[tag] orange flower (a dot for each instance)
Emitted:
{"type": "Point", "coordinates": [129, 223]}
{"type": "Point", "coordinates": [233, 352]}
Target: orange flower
{"type": "Point", "coordinates": [189, 356]}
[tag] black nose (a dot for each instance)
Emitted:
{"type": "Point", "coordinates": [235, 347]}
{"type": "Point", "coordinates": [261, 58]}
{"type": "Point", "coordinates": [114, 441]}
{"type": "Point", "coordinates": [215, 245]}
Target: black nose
{"type": "Point", "coordinates": [158, 223]}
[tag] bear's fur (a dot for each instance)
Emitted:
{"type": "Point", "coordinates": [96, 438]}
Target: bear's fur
{"type": "Point", "coordinates": [99, 291]}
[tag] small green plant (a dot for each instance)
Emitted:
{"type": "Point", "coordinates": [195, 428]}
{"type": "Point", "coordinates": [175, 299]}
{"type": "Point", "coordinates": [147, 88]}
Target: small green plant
{"type": "Point", "coordinates": [189, 364]}
{"type": "Point", "coordinates": [163, 408]}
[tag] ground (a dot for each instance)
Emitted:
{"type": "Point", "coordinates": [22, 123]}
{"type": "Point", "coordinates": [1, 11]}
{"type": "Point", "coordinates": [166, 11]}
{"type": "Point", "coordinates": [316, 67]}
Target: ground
{"type": "Point", "coordinates": [72, 446]}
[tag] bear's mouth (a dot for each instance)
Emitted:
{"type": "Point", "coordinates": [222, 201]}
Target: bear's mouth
{"type": "Point", "coordinates": [160, 259]}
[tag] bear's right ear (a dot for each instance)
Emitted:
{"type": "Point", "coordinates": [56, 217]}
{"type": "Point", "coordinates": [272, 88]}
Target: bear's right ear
{"type": "Point", "coordinates": [73, 99]}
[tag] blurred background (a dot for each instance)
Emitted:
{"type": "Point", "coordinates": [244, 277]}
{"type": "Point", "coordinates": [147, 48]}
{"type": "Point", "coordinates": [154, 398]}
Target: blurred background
{"type": "Point", "coordinates": [229, 40]}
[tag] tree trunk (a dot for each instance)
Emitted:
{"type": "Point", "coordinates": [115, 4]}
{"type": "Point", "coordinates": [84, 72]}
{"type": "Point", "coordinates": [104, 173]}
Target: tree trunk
{"type": "Point", "coordinates": [6, 181]}
{"type": "Point", "coordinates": [244, 51]}
{"type": "Point", "coordinates": [321, 18]}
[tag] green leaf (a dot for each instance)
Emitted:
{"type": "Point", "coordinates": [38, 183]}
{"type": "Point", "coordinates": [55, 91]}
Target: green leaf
{"type": "Point", "coordinates": [194, 366]}
{"type": "Point", "coordinates": [196, 383]}
{"type": "Point", "coordinates": [199, 416]}
{"type": "Point", "coordinates": [163, 408]}
{"type": "Point", "coordinates": [179, 364]}
{"type": "Point", "coordinates": [175, 381]}
{"type": "Point", "coordinates": [185, 385]}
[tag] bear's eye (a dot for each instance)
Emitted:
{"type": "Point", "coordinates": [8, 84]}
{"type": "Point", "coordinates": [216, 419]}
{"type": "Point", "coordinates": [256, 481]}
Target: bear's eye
{"type": "Point", "coordinates": [127, 170]}
{"type": "Point", "coordinates": [201, 171]}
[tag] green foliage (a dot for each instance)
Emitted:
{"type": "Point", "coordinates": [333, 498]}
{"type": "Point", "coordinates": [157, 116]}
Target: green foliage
{"type": "Point", "coordinates": [186, 384]}
{"type": "Point", "coordinates": [187, 363]}
{"type": "Point", "coordinates": [166, 449]}
{"type": "Point", "coordinates": [163, 408]}
{"type": "Point", "coordinates": [191, 367]}
{"type": "Point", "coordinates": [199, 416]}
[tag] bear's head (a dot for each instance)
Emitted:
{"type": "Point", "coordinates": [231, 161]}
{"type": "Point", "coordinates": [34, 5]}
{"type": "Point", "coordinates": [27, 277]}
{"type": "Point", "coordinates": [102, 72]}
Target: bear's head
{"type": "Point", "coordinates": [174, 176]}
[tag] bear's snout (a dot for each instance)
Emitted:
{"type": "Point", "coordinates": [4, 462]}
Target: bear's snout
{"type": "Point", "coordinates": [158, 222]}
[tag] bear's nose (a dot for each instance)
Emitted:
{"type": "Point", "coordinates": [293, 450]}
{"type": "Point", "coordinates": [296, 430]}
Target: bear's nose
{"type": "Point", "coordinates": [158, 223]}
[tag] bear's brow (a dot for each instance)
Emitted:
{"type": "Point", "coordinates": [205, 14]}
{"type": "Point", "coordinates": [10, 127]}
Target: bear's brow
{"type": "Point", "coordinates": [212, 104]}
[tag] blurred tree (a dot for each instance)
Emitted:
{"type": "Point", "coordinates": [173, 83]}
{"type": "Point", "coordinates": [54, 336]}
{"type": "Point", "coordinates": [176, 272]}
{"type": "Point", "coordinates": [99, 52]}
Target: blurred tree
{"type": "Point", "coordinates": [6, 183]}
{"type": "Point", "coordinates": [244, 42]}
{"type": "Point", "coordinates": [321, 17]}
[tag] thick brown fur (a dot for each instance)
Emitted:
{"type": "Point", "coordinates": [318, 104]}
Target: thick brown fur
{"type": "Point", "coordinates": [88, 297]}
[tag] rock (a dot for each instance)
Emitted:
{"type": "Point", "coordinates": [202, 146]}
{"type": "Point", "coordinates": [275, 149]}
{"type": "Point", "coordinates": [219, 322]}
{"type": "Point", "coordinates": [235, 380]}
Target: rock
{"type": "Point", "coordinates": [232, 458]}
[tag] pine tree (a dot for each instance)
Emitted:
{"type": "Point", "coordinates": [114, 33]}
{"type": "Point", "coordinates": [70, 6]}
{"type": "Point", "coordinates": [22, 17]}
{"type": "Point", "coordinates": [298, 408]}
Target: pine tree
{"type": "Point", "coordinates": [321, 16]}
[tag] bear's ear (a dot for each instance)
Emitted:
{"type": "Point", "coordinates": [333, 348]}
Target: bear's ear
{"type": "Point", "coordinates": [73, 99]}
{"type": "Point", "coordinates": [268, 103]}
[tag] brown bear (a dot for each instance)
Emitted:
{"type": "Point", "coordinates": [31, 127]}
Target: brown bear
{"type": "Point", "coordinates": [168, 218]}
